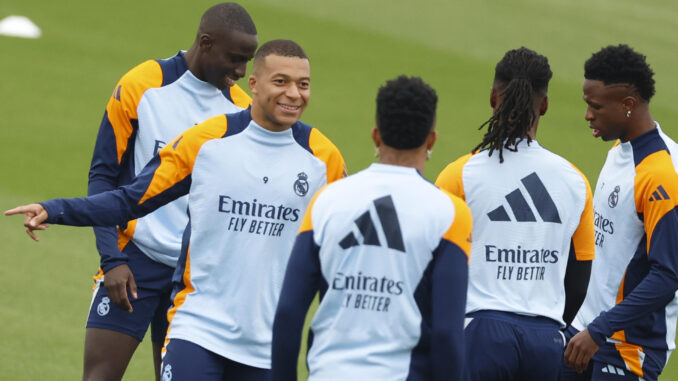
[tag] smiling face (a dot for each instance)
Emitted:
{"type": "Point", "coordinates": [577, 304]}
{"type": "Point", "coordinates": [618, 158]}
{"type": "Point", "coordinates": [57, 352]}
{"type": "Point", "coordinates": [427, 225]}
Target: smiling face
{"type": "Point", "coordinates": [224, 58]}
{"type": "Point", "coordinates": [606, 111]}
{"type": "Point", "coordinates": [281, 88]}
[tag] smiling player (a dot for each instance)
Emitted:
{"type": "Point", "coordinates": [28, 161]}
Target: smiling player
{"type": "Point", "coordinates": [249, 177]}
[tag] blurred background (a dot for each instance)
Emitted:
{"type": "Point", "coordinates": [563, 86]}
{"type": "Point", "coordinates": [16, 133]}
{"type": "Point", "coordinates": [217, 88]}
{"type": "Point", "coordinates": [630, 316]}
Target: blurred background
{"type": "Point", "coordinates": [53, 91]}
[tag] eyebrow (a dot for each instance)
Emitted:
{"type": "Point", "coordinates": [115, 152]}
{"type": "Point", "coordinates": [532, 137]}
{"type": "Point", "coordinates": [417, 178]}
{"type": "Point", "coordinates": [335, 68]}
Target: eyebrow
{"type": "Point", "coordinates": [288, 76]}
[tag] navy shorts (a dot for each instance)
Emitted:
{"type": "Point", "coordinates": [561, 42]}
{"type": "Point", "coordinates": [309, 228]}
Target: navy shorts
{"type": "Point", "coordinates": [507, 346]}
{"type": "Point", "coordinates": [154, 287]}
{"type": "Point", "coordinates": [597, 370]}
{"type": "Point", "coordinates": [185, 361]}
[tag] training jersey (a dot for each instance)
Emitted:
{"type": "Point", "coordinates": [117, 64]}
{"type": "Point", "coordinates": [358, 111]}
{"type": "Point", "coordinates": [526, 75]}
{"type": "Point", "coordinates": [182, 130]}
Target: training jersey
{"type": "Point", "coordinates": [528, 212]}
{"type": "Point", "coordinates": [631, 300]}
{"type": "Point", "coordinates": [151, 104]}
{"type": "Point", "coordinates": [388, 252]}
{"type": "Point", "coordinates": [248, 189]}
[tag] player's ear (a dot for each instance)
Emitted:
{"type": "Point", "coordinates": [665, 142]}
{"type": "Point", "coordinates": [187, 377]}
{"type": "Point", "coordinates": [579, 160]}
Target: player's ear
{"type": "Point", "coordinates": [629, 103]}
{"type": "Point", "coordinates": [252, 82]}
{"type": "Point", "coordinates": [544, 105]}
{"type": "Point", "coordinates": [376, 137]}
{"type": "Point", "coordinates": [205, 42]}
{"type": "Point", "coordinates": [493, 98]}
{"type": "Point", "coordinates": [431, 140]}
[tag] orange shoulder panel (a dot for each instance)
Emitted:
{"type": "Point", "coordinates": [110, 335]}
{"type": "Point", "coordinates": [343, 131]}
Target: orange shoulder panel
{"type": "Point", "coordinates": [177, 157]}
{"type": "Point", "coordinates": [459, 232]}
{"type": "Point", "coordinates": [122, 106]}
{"type": "Point", "coordinates": [584, 238]}
{"type": "Point", "coordinates": [180, 297]}
{"type": "Point", "coordinates": [656, 190]}
{"type": "Point", "coordinates": [307, 223]}
{"type": "Point", "coordinates": [240, 97]}
{"type": "Point", "coordinates": [450, 178]}
{"type": "Point", "coordinates": [326, 151]}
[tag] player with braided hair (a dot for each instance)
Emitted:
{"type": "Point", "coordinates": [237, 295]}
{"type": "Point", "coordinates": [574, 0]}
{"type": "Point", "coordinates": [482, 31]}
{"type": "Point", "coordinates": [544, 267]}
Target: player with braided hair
{"type": "Point", "coordinates": [520, 76]}
{"type": "Point", "coordinates": [625, 329]}
{"type": "Point", "coordinates": [533, 238]}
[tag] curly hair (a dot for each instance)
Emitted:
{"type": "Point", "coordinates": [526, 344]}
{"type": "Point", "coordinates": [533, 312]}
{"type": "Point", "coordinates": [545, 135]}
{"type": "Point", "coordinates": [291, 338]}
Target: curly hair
{"type": "Point", "coordinates": [406, 108]}
{"type": "Point", "coordinates": [621, 65]}
{"type": "Point", "coordinates": [521, 75]}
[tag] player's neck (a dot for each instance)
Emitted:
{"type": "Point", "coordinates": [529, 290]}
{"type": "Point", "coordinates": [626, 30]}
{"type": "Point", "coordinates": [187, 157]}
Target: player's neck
{"type": "Point", "coordinates": [642, 122]}
{"type": "Point", "coordinates": [191, 57]}
{"type": "Point", "coordinates": [265, 122]}
{"type": "Point", "coordinates": [414, 158]}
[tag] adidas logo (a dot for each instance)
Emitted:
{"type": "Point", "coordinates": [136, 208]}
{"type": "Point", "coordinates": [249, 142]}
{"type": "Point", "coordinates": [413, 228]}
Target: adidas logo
{"type": "Point", "coordinates": [521, 209]}
{"type": "Point", "coordinates": [390, 226]}
{"type": "Point", "coordinates": [659, 194]}
{"type": "Point", "coordinates": [613, 370]}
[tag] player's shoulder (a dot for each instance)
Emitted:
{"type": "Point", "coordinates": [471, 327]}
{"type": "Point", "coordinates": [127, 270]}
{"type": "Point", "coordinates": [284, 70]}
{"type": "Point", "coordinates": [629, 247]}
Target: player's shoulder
{"type": "Point", "coordinates": [653, 155]}
{"type": "Point", "coordinates": [155, 73]}
{"type": "Point", "coordinates": [316, 143]}
{"type": "Point", "coordinates": [555, 166]}
{"type": "Point", "coordinates": [311, 138]}
{"type": "Point", "coordinates": [457, 202]}
{"type": "Point", "coordinates": [210, 129]}
{"type": "Point", "coordinates": [238, 96]}
{"type": "Point", "coordinates": [147, 74]}
{"type": "Point", "coordinates": [652, 145]}
{"type": "Point", "coordinates": [457, 165]}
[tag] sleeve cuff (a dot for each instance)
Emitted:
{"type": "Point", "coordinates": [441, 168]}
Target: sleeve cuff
{"type": "Point", "coordinates": [109, 264]}
{"type": "Point", "coordinates": [600, 329]}
{"type": "Point", "coordinates": [52, 210]}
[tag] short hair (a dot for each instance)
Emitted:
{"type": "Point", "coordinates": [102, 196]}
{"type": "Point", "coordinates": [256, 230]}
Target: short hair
{"type": "Point", "coordinates": [280, 47]}
{"type": "Point", "coordinates": [522, 74]}
{"type": "Point", "coordinates": [227, 17]}
{"type": "Point", "coordinates": [621, 65]}
{"type": "Point", "coordinates": [406, 108]}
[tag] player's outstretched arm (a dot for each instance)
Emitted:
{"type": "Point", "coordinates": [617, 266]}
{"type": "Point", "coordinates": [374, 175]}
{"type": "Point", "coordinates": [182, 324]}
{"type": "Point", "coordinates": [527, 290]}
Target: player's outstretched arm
{"type": "Point", "coordinates": [34, 218]}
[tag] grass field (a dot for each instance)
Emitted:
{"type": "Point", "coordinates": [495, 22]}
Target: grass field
{"type": "Point", "coordinates": [54, 89]}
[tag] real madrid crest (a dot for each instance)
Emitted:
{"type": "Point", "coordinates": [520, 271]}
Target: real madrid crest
{"type": "Point", "coordinates": [613, 199]}
{"type": "Point", "coordinates": [167, 373]}
{"type": "Point", "coordinates": [104, 307]}
{"type": "Point", "coordinates": [301, 185]}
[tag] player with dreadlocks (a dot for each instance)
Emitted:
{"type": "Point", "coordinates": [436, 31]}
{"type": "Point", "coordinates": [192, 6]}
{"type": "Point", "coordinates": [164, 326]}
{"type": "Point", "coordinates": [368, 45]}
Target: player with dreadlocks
{"type": "Point", "coordinates": [533, 237]}
{"type": "Point", "coordinates": [521, 79]}
{"type": "Point", "coordinates": [626, 326]}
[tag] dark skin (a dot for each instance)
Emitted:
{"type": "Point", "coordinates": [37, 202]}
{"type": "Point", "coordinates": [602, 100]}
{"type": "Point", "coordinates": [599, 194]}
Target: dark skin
{"type": "Point", "coordinates": [614, 111]}
{"type": "Point", "coordinates": [218, 56]}
{"type": "Point", "coordinates": [608, 107]}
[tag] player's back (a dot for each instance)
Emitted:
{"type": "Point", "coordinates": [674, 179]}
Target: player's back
{"type": "Point", "coordinates": [377, 231]}
{"type": "Point", "coordinates": [525, 212]}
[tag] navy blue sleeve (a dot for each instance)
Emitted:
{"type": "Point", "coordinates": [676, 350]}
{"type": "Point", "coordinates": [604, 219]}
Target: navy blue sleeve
{"type": "Point", "coordinates": [655, 291]}
{"type": "Point", "coordinates": [105, 175]}
{"type": "Point", "coordinates": [449, 281]}
{"type": "Point", "coordinates": [302, 281]}
{"type": "Point", "coordinates": [577, 277]}
{"type": "Point", "coordinates": [115, 207]}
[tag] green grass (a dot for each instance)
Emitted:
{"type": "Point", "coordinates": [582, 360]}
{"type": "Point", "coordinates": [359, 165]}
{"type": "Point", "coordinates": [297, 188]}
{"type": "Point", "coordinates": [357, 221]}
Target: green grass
{"type": "Point", "coordinates": [54, 89]}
